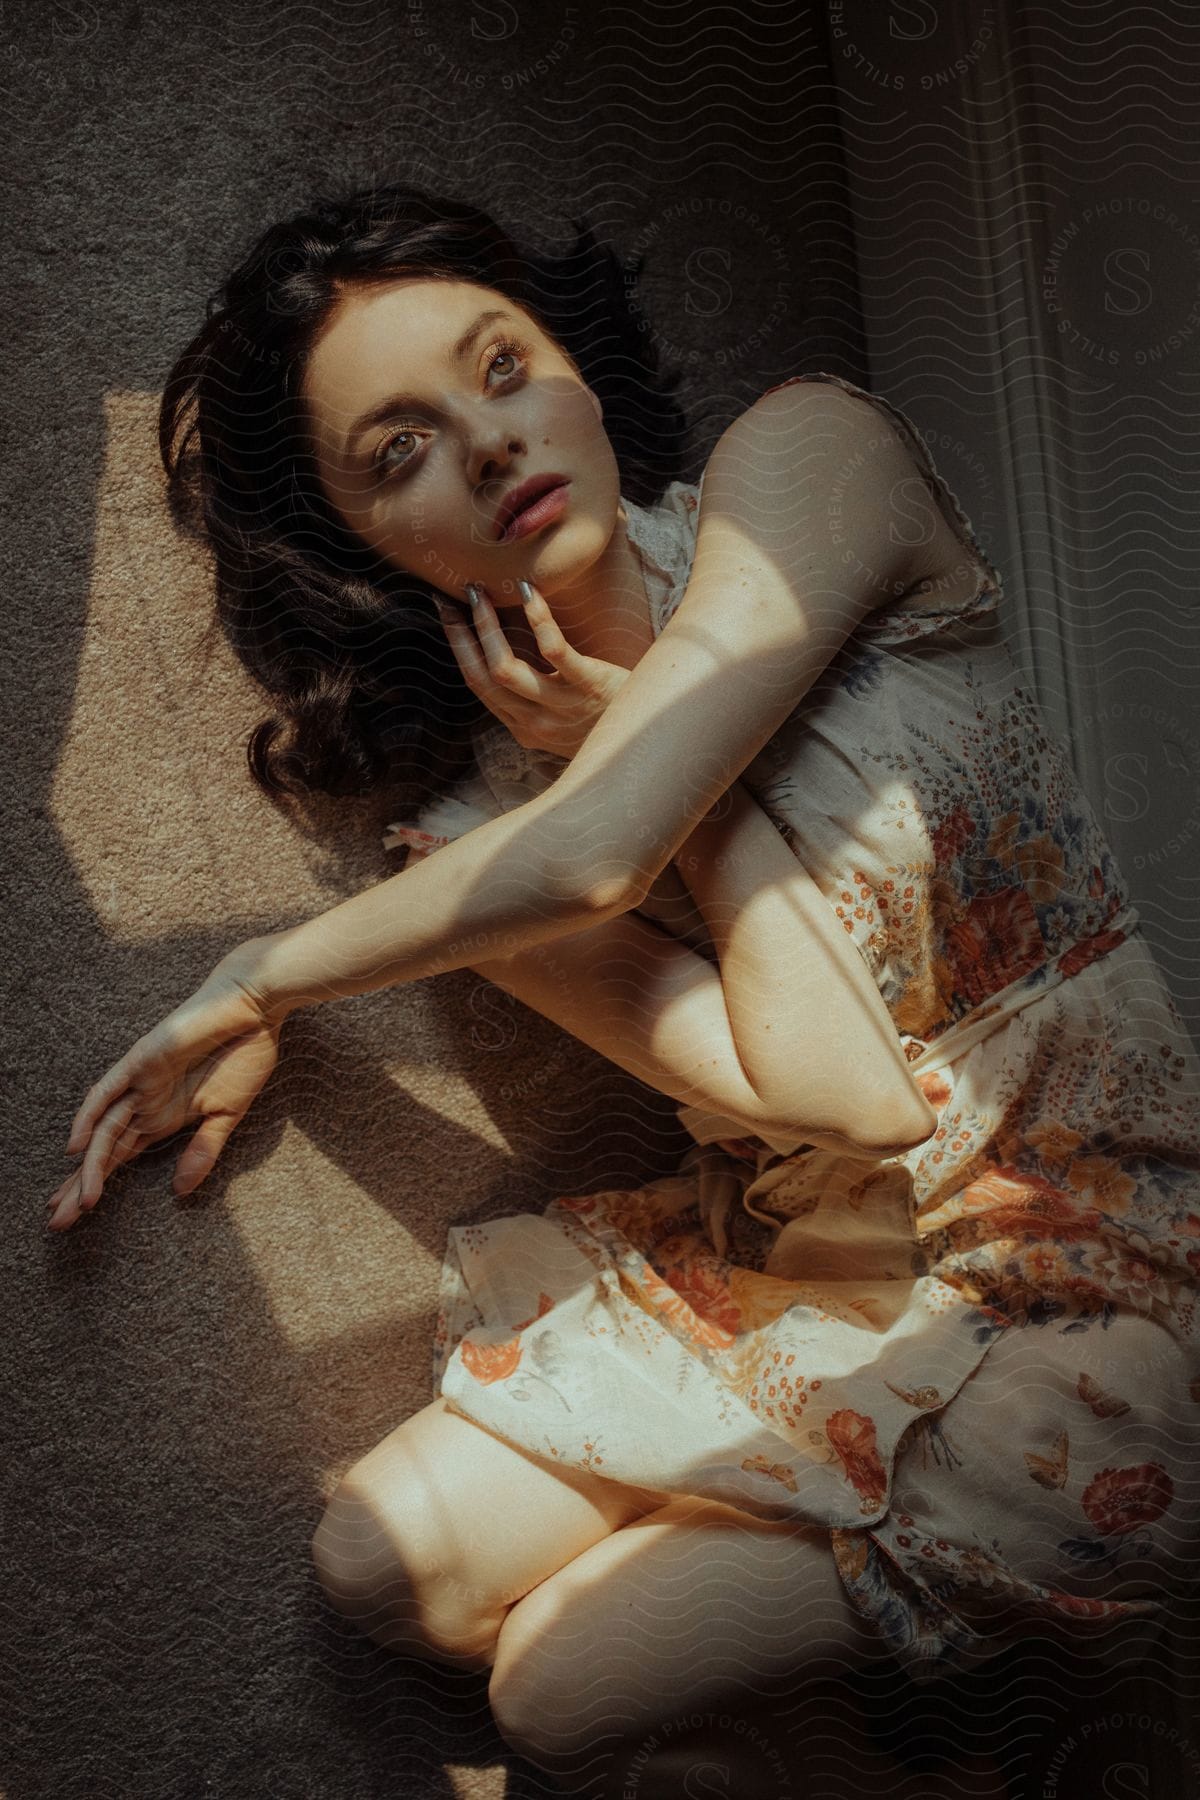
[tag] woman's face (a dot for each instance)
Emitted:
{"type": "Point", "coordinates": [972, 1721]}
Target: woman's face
{"type": "Point", "coordinates": [430, 401]}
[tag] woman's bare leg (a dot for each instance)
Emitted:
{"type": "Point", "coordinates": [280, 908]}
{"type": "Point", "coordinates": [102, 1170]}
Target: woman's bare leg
{"type": "Point", "coordinates": [698, 1644]}
{"type": "Point", "coordinates": [430, 1538]}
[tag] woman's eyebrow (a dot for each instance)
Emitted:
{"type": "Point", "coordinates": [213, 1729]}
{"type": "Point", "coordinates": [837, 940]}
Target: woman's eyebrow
{"type": "Point", "coordinates": [398, 402]}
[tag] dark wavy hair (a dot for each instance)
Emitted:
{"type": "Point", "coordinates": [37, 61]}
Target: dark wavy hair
{"type": "Point", "coordinates": [366, 691]}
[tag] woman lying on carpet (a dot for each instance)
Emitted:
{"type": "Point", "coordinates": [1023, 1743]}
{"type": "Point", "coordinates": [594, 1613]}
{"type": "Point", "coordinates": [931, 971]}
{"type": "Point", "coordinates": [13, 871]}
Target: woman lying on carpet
{"type": "Point", "coordinates": [737, 782]}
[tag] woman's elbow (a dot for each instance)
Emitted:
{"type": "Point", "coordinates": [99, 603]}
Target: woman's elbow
{"type": "Point", "coordinates": [605, 899]}
{"type": "Point", "coordinates": [893, 1132]}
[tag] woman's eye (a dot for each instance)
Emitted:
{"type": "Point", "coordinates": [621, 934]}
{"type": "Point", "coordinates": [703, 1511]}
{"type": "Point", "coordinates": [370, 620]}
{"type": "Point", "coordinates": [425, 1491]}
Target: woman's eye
{"type": "Point", "coordinates": [507, 348]}
{"type": "Point", "coordinates": [381, 464]}
{"type": "Point", "coordinates": [510, 348]}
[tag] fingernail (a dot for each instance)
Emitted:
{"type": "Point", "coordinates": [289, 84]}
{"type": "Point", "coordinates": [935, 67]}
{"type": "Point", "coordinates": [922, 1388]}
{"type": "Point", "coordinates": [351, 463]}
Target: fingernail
{"type": "Point", "coordinates": [474, 593]}
{"type": "Point", "coordinates": [527, 594]}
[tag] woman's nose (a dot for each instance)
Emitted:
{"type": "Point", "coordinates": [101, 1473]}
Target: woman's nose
{"type": "Point", "coordinates": [491, 459]}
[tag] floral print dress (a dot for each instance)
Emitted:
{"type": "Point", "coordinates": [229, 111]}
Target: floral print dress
{"type": "Point", "coordinates": [977, 1364]}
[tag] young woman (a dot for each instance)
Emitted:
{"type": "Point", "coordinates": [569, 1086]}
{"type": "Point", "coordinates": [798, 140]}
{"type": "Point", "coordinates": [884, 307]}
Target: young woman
{"type": "Point", "coordinates": [737, 783]}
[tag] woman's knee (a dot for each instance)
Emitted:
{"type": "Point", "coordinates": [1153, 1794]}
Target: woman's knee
{"type": "Point", "coordinates": [436, 1531]}
{"type": "Point", "coordinates": [386, 1557]}
{"type": "Point", "coordinates": [691, 1605]}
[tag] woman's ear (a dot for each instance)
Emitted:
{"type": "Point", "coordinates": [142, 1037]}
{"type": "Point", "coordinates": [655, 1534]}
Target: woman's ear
{"type": "Point", "coordinates": [597, 407]}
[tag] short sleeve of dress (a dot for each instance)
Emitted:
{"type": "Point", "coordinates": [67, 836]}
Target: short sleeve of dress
{"type": "Point", "coordinates": [505, 776]}
{"type": "Point", "coordinates": [918, 615]}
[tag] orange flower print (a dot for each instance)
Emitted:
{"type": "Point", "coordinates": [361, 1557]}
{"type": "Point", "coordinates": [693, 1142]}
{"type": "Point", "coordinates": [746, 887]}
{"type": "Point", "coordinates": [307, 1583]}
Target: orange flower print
{"type": "Point", "coordinates": [1102, 1182]}
{"type": "Point", "coordinates": [545, 1305]}
{"type": "Point", "coordinates": [1080, 955]}
{"type": "Point", "coordinates": [935, 1088]}
{"type": "Point", "coordinates": [491, 1362]}
{"type": "Point", "coordinates": [852, 1435]}
{"type": "Point", "coordinates": [1089, 1294]}
{"type": "Point", "coordinates": [1040, 861]}
{"type": "Point", "coordinates": [946, 903]}
{"type": "Point", "coordinates": [1080, 1607]}
{"type": "Point", "coordinates": [1044, 1265]}
{"type": "Point", "coordinates": [1014, 1191]}
{"type": "Point", "coordinates": [1053, 1140]}
{"type": "Point", "coordinates": [996, 941]}
{"type": "Point", "coordinates": [707, 1294]}
{"type": "Point", "coordinates": [760, 1299]}
{"type": "Point", "coordinates": [1119, 1500]}
{"type": "Point", "coordinates": [662, 1298]}
{"type": "Point", "coordinates": [985, 1573]}
{"type": "Point", "coordinates": [1132, 1274]}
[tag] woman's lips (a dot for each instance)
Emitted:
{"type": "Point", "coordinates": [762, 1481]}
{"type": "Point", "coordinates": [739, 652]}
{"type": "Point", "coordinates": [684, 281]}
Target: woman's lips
{"type": "Point", "coordinates": [539, 512]}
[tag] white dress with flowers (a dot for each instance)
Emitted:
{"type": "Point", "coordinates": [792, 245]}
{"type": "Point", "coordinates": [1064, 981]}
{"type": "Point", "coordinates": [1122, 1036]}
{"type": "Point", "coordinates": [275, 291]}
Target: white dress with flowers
{"type": "Point", "coordinates": [978, 1363]}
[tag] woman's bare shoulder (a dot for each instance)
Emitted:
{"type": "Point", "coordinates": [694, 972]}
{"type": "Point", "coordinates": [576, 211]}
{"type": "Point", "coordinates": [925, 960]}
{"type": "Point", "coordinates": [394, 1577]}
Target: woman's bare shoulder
{"type": "Point", "coordinates": [816, 481]}
{"type": "Point", "coordinates": [872, 468]}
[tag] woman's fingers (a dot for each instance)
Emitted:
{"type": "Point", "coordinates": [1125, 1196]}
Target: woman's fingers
{"type": "Point", "coordinates": [466, 650]}
{"type": "Point", "coordinates": [202, 1152]}
{"type": "Point", "coordinates": [549, 711]}
{"type": "Point", "coordinates": [208, 1059]}
{"type": "Point", "coordinates": [97, 1098]}
{"type": "Point", "coordinates": [102, 1149]}
{"type": "Point", "coordinates": [60, 1194]}
{"type": "Point", "coordinates": [500, 664]}
{"type": "Point", "coordinates": [550, 641]}
{"type": "Point", "coordinates": [63, 1207]}
{"type": "Point", "coordinates": [70, 1200]}
{"type": "Point", "coordinates": [82, 1189]}
{"type": "Point", "coordinates": [493, 673]}
{"type": "Point", "coordinates": [504, 666]}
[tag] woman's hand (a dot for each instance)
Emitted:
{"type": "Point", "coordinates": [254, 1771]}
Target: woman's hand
{"type": "Point", "coordinates": [551, 712]}
{"type": "Point", "coordinates": [207, 1060]}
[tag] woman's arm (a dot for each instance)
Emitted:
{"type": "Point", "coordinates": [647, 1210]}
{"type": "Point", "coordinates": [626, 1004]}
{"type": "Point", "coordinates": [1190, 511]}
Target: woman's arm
{"type": "Point", "coordinates": [814, 1038]}
{"type": "Point", "coordinates": [656, 1008]}
{"type": "Point", "coordinates": [774, 593]}
{"type": "Point", "coordinates": [739, 986]}
{"type": "Point", "coordinates": [493, 891]}
{"type": "Point", "coordinates": [630, 989]}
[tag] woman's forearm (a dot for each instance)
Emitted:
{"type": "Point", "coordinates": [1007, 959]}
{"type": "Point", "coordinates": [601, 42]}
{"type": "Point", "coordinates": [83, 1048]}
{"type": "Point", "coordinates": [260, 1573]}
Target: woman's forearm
{"type": "Point", "coordinates": [813, 1034]}
{"type": "Point", "coordinates": [496, 890]}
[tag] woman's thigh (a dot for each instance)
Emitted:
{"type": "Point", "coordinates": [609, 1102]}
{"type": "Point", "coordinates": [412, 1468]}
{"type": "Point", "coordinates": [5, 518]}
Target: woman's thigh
{"type": "Point", "coordinates": [432, 1535]}
{"type": "Point", "coordinates": [690, 1606]}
